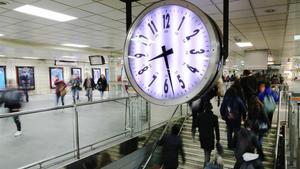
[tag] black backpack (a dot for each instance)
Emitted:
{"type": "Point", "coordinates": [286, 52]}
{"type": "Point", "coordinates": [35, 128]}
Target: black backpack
{"type": "Point", "coordinates": [12, 98]}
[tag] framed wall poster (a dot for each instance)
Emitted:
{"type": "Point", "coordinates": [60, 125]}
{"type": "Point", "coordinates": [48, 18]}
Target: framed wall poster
{"type": "Point", "coordinates": [96, 72]}
{"type": "Point", "coordinates": [55, 73]}
{"type": "Point", "coordinates": [25, 77]}
{"type": "Point", "coordinates": [2, 77]}
{"type": "Point", "coordinates": [76, 72]}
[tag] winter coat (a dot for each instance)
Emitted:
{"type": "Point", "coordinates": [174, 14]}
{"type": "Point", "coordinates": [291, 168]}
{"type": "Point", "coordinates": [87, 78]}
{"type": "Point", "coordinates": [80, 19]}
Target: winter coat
{"type": "Point", "coordinates": [91, 81]}
{"type": "Point", "coordinates": [172, 146]}
{"type": "Point", "coordinates": [60, 86]}
{"type": "Point", "coordinates": [268, 92]}
{"type": "Point", "coordinates": [75, 84]}
{"type": "Point", "coordinates": [250, 86]}
{"type": "Point", "coordinates": [208, 124]}
{"type": "Point", "coordinates": [102, 84]}
{"type": "Point", "coordinates": [237, 108]}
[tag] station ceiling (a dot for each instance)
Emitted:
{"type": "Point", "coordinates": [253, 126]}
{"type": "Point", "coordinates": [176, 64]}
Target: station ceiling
{"type": "Point", "coordinates": [101, 24]}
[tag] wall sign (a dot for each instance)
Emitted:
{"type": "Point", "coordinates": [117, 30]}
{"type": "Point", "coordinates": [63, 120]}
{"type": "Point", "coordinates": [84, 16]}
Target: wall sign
{"type": "Point", "coordinates": [25, 77]}
{"type": "Point", "coordinates": [172, 52]}
{"type": "Point", "coordinates": [76, 72]}
{"type": "Point", "coordinates": [55, 73]}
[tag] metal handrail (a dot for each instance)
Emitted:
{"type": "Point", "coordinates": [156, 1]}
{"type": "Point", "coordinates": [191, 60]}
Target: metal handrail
{"type": "Point", "coordinates": [26, 112]}
{"type": "Point", "coordinates": [278, 131]}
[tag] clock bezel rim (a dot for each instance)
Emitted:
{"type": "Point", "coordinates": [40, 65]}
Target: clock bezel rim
{"type": "Point", "coordinates": [209, 75]}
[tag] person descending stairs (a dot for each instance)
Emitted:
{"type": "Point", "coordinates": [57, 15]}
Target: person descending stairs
{"type": "Point", "coordinates": [195, 155]}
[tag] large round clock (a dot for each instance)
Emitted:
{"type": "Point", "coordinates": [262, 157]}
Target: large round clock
{"type": "Point", "coordinates": [172, 52]}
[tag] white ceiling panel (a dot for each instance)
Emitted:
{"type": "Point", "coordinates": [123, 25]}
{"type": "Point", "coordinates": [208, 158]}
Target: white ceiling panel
{"type": "Point", "coordinates": [278, 10]}
{"type": "Point", "coordinates": [97, 27]}
{"type": "Point", "coordinates": [114, 24]}
{"type": "Point", "coordinates": [115, 15]}
{"type": "Point", "coordinates": [273, 23]}
{"type": "Point", "coordinates": [266, 3]}
{"type": "Point", "coordinates": [200, 3]}
{"type": "Point", "coordinates": [9, 20]}
{"type": "Point", "coordinates": [25, 1]}
{"type": "Point", "coordinates": [210, 9]}
{"type": "Point", "coordinates": [30, 25]}
{"type": "Point", "coordinates": [74, 3]}
{"type": "Point", "coordinates": [51, 5]}
{"type": "Point", "coordinates": [80, 22]}
{"type": "Point", "coordinates": [236, 5]}
{"type": "Point", "coordinates": [275, 17]}
{"type": "Point", "coordinates": [3, 10]}
{"type": "Point", "coordinates": [97, 19]}
{"type": "Point", "coordinates": [117, 4]}
{"type": "Point", "coordinates": [77, 13]}
{"type": "Point", "coordinates": [136, 10]}
{"type": "Point", "coordinates": [96, 8]}
{"type": "Point", "coordinates": [243, 20]}
{"type": "Point", "coordinates": [241, 14]}
{"type": "Point", "coordinates": [44, 21]}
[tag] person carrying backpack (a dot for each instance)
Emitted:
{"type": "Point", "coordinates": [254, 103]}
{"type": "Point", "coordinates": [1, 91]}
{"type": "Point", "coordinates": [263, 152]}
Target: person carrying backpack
{"type": "Point", "coordinates": [232, 110]}
{"type": "Point", "coordinates": [12, 100]}
{"type": "Point", "coordinates": [75, 83]}
{"type": "Point", "coordinates": [269, 98]}
{"type": "Point", "coordinates": [246, 142]}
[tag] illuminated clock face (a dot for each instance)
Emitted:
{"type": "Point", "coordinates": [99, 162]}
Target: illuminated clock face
{"type": "Point", "coordinates": [169, 53]}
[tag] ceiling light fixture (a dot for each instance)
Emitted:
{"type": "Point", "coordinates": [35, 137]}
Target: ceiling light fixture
{"type": "Point", "coordinates": [44, 13]}
{"type": "Point", "coordinates": [1, 34]}
{"type": "Point", "coordinates": [30, 57]}
{"type": "Point", "coordinates": [296, 37]}
{"type": "Point", "coordinates": [2, 55]}
{"type": "Point", "coordinates": [74, 45]}
{"type": "Point", "coordinates": [244, 44]}
{"type": "Point", "coordinates": [70, 57]}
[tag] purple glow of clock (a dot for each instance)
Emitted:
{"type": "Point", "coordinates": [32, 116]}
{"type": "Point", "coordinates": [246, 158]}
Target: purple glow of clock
{"type": "Point", "coordinates": [169, 52]}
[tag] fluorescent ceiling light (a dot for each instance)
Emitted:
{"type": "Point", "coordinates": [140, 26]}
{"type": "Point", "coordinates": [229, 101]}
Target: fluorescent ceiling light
{"type": "Point", "coordinates": [2, 55]}
{"type": "Point", "coordinates": [296, 37]}
{"type": "Point", "coordinates": [244, 44]}
{"type": "Point", "coordinates": [71, 57]}
{"type": "Point", "coordinates": [271, 63]}
{"type": "Point", "coordinates": [1, 34]}
{"type": "Point", "coordinates": [29, 57]}
{"type": "Point", "coordinates": [75, 45]}
{"type": "Point", "coordinates": [44, 13]}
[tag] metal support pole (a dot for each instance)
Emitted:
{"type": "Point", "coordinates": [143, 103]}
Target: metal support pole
{"type": "Point", "coordinates": [77, 133]}
{"type": "Point", "coordinates": [225, 28]}
{"type": "Point", "coordinates": [128, 13]}
{"type": "Point", "coordinates": [181, 110]}
{"type": "Point", "coordinates": [126, 107]}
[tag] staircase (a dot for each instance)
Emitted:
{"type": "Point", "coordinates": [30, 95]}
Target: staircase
{"type": "Point", "coordinates": [195, 155]}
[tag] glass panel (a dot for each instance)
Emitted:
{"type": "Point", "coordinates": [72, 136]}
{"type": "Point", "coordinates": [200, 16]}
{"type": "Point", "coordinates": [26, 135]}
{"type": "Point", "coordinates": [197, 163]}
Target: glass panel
{"type": "Point", "coordinates": [44, 135]}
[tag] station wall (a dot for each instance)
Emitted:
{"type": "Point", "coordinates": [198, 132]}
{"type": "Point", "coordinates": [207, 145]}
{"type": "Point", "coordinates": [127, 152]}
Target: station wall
{"type": "Point", "coordinates": [41, 71]}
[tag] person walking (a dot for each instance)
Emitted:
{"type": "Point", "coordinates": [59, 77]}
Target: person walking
{"type": "Point", "coordinates": [208, 131]}
{"type": "Point", "coordinates": [269, 98]}
{"type": "Point", "coordinates": [12, 100]}
{"type": "Point", "coordinates": [75, 83]}
{"type": "Point", "coordinates": [60, 90]}
{"type": "Point", "coordinates": [249, 86]}
{"type": "Point", "coordinates": [246, 142]}
{"type": "Point", "coordinates": [89, 86]}
{"type": "Point", "coordinates": [172, 146]}
{"type": "Point", "coordinates": [102, 85]}
{"type": "Point", "coordinates": [233, 110]}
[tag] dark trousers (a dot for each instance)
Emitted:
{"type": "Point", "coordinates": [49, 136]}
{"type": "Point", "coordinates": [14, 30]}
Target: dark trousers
{"type": "Point", "coordinates": [17, 122]}
{"type": "Point", "coordinates": [230, 132]}
{"type": "Point", "coordinates": [270, 117]}
{"type": "Point", "coordinates": [25, 91]}
{"type": "Point", "coordinates": [57, 99]}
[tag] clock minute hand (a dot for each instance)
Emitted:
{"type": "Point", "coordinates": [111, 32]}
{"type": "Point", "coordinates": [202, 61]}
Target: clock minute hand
{"type": "Point", "coordinates": [164, 54]}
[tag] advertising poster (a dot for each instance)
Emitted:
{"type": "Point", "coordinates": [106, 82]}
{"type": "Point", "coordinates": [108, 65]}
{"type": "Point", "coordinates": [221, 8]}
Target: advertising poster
{"type": "Point", "coordinates": [55, 73]}
{"type": "Point", "coordinates": [2, 77]}
{"type": "Point", "coordinates": [25, 77]}
{"type": "Point", "coordinates": [76, 72]}
{"type": "Point", "coordinates": [96, 72]}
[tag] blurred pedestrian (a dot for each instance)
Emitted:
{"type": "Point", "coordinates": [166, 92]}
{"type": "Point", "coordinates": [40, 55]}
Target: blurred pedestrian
{"type": "Point", "coordinates": [102, 85]}
{"type": "Point", "coordinates": [24, 84]}
{"type": "Point", "coordinates": [60, 90]}
{"type": "Point", "coordinates": [12, 100]}
{"type": "Point", "coordinates": [208, 131]}
{"type": "Point", "coordinates": [249, 85]}
{"type": "Point", "coordinates": [172, 146]}
{"type": "Point", "coordinates": [75, 83]}
{"type": "Point", "coordinates": [89, 86]}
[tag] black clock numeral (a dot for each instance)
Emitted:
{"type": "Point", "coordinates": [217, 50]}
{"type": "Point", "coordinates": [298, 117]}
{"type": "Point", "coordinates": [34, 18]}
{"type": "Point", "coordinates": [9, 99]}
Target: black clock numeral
{"type": "Point", "coordinates": [194, 51]}
{"type": "Point", "coordinates": [166, 19]}
{"type": "Point", "coordinates": [154, 77]}
{"type": "Point", "coordinates": [194, 70]}
{"type": "Point", "coordinates": [194, 34]}
{"type": "Point", "coordinates": [143, 70]}
{"type": "Point", "coordinates": [139, 55]}
{"type": "Point", "coordinates": [181, 23]}
{"type": "Point", "coordinates": [181, 81]}
{"type": "Point", "coordinates": [152, 27]}
{"type": "Point", "coordinates": [166, 86]}
{"type": "Point", "coordinates": [142, 36]}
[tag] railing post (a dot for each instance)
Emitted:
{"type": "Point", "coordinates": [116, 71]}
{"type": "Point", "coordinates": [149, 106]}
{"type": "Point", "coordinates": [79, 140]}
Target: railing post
{"type": "Point", "coordinates": [181, 110]}
{"type": "Point", "coordinates": [77, 133]}
{"type": "Point", "coordinates": [148, 109]}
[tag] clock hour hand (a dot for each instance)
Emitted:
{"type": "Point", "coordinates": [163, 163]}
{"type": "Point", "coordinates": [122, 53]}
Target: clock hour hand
{"type": "Point", "coordinates": [164, 54]}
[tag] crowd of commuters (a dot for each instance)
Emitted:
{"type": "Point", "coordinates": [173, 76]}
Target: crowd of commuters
{"type": "Point", "coordinates": [247, 109]}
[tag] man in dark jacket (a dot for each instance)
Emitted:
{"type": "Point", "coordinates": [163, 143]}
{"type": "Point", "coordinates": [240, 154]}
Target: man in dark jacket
{"type": "Point", "coordinates": [232, 111]}
{"type": "Point", "coordinates": [208, 124]}
{"type": "Point", "coordinates": [249, 85]}
{"type": "Point", "coordinates": [172, 146]}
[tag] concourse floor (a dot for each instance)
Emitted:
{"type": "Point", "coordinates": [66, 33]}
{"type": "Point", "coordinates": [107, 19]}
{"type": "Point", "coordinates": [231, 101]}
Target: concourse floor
{"type": "Point", "coordinates": [51, 133]}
